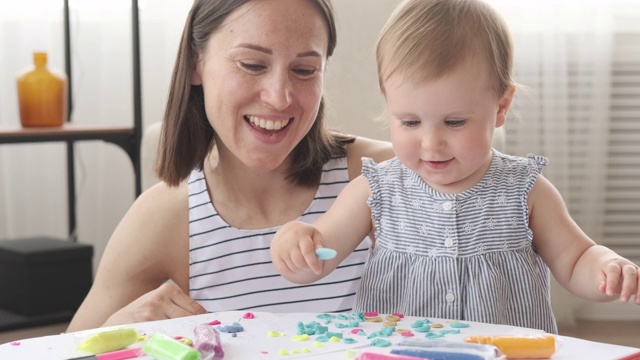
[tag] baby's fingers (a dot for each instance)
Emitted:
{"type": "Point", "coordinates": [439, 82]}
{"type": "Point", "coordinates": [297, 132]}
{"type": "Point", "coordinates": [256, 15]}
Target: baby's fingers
{"type": "Point", "coordinates": [302, 258]}
{"type": "Point", "coordinates": [309, 257]}
{"type": "Point", "coordinates": [630, 283]}
{"type": "Point", "coordinates": [611, 281]}
{"type": "Point", "coordinates": [638, 289]}
{"type": "Point", "coordinates": [291, 262]}
{"type": "Point", "coordinates": [297, 261]}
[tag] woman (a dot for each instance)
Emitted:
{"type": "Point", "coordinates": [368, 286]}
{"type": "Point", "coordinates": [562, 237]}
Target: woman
{"type": "Point", "coordinates": [249, 79]}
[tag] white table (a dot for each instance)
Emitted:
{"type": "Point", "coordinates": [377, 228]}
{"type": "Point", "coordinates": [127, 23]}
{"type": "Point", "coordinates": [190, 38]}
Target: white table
{"type": "Point", "coordinates": [255, 343]}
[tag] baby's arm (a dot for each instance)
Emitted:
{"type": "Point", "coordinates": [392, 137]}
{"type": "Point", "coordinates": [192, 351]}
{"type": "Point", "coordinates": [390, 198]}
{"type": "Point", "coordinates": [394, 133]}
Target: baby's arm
{"type": "Point", "coordinates": [588, 270]}
{"type": "Point", "coordinates": [341, 228]}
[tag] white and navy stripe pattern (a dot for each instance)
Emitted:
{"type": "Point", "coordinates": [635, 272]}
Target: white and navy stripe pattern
{"type": "Point", "coordinates": [465, 256]}
{"type": "Point", "coordinates": [231, 269]}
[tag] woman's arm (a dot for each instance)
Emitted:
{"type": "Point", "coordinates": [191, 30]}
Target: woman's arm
{"type": "Point", "coordinates": [149, 247]}
{"type": "Point", "coordinates": [363, 147]}
{"type": "Point", "coordinates": [588, 270]}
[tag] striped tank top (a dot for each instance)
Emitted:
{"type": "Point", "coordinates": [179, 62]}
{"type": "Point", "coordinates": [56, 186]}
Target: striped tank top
{"type": "Point", "coordinates": [466, 256]}
{"type": "Point", "coordinates": [231, 269]}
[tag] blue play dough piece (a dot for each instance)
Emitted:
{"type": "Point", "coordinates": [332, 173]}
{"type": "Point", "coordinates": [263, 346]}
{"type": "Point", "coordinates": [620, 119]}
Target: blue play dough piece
{"type": "Point", "coordinates": [437, 355]}
{"type": "Point", "coordinates": [325, 253]}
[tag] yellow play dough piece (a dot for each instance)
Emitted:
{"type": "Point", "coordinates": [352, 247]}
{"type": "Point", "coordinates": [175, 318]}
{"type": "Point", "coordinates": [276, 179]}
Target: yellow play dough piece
{"type": "Point", "coordinates": [110, 340]}
{"type": "Point", "coordinates": [334, 339]}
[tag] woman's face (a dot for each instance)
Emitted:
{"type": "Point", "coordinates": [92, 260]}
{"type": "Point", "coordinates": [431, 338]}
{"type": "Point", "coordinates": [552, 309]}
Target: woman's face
{"type": "Point", "coordinates": [262, 74]}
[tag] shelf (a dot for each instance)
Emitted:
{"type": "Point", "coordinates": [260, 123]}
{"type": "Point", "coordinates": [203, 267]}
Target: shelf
{"type": "Point", "coordinates": [123, 136]}
{"type": "Point", "coordinates": [66, 132]}
{"type": "Point", "coordinates": [126, 137]}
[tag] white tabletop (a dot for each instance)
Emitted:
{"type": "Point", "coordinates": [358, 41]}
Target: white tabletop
{"type": "Point", "coordinates": [255, 343]}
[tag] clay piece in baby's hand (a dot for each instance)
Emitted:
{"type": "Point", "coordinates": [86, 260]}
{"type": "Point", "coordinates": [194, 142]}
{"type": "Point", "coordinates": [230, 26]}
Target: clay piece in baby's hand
{"type": "Point", "coordinates": [325, 253]}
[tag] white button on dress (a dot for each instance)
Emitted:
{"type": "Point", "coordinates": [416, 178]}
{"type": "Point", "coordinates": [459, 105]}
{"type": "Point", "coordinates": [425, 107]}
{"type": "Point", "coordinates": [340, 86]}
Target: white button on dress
{"type": "Point", "coordinates": [448, 242]}
{"type": "Point", "coordinates": [450, 297]}
{"type": "Point", "coordinates": [447, 205]}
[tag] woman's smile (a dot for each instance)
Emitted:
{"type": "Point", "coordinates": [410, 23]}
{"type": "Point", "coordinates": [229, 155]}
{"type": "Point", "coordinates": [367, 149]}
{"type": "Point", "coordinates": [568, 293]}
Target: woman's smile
{"type": "Point", "coordinates": [267, 124]}
{"type": "Point", "coordinates": [269, 129]}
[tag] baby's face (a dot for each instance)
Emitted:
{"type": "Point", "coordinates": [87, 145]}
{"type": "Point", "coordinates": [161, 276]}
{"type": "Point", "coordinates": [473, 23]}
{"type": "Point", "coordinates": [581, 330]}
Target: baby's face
{"type": "Point", "coordinates": [443, 128]}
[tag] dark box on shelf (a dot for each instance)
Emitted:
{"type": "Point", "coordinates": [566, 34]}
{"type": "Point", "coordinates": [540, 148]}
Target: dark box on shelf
{"type": "Point", "coordinates": [44, 275]}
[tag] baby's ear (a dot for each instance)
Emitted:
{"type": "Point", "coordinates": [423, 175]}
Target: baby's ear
{"type": "Point", "coordinates": [504, 105]}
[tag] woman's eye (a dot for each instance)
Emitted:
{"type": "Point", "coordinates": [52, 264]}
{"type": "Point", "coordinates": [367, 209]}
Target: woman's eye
{"type": "Point", "coordinates": [252, 67]}
{"type": "Point", "coordinates": [455, 123]}
{"type": "Point", "coordinates": [305, 72]}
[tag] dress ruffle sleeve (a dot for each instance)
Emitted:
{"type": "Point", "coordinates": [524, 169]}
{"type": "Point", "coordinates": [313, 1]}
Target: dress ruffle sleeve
{"type": "Point", "coordinates": [370, 172]}
{"type": "Point", "coordinates": [535, 164]}
{"type": "Point", "coordinates": [534, 168]}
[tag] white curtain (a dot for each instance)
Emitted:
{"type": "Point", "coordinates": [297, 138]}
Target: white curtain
{"type": "Point", "coordinates": [563, 52]}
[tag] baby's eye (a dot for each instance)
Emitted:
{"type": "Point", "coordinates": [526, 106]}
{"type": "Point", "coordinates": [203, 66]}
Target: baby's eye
{"type": "Point", "coordinates": [455, 122]}
{"type": "Point", "coordinates": [305, 72]}
{"type": "Point", "coordinates": [251, 67]}
{"type": "Point", "coordinates": [409, 123]}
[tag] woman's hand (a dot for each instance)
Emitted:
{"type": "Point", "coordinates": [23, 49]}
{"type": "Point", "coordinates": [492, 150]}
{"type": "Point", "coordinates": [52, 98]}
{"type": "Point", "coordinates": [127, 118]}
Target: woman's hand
{"type": "Point", "coordinates": [165, 302]}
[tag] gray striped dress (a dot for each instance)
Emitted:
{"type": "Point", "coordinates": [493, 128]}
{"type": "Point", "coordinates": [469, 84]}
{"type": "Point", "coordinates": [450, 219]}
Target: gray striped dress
{"type": "Point", "coordinates": [466, 256]}
{"type": "Point", "coordinates": [231, 269]}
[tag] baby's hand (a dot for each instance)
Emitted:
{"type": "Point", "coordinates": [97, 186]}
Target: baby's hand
{"type": "Point", "coordinates": [293, 249]}
{"type": "Point", "coordinates": [620, 276]}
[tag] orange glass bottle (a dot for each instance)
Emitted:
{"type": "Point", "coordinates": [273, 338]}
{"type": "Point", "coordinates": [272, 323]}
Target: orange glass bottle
{"type": "Point", "coordinates": [42, 94]}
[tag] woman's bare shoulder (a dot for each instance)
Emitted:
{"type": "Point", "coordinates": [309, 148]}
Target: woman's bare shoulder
{"type": "Point", "coordinates": [159, 203]}
{"type": "Point", "coordinates": [173, 198]}
{"type": "Point", "coordinates": [378, 150]}
{"type": "Point", "coordinates": [157, 224]}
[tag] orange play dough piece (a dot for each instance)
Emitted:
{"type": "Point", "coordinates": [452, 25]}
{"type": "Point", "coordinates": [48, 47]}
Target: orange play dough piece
{"type": "Point", "coordinates": [520, 347]}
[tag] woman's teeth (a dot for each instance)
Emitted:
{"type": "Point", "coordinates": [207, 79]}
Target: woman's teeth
{"type": "Point", "coordinates": [268, 124]}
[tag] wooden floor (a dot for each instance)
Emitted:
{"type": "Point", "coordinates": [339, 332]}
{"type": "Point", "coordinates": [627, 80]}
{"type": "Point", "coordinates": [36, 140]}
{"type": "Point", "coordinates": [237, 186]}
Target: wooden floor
{"type": "Point", "coordinates": [626, 333]}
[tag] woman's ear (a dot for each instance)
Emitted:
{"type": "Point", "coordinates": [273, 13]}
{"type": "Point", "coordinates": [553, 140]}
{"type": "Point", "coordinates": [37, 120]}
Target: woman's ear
{"type": "Point", "coordinates": [196, 77]}
{"type": "Point", "coordinates": [504, 105]}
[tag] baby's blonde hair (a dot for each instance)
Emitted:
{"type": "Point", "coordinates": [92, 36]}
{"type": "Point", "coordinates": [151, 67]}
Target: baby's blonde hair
{"type": "Point", "coordinates": [425, 39]}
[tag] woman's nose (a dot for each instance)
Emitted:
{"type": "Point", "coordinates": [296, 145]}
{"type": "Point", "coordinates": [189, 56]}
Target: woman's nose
{"type": "Point", "coordinates": [277, 90]}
